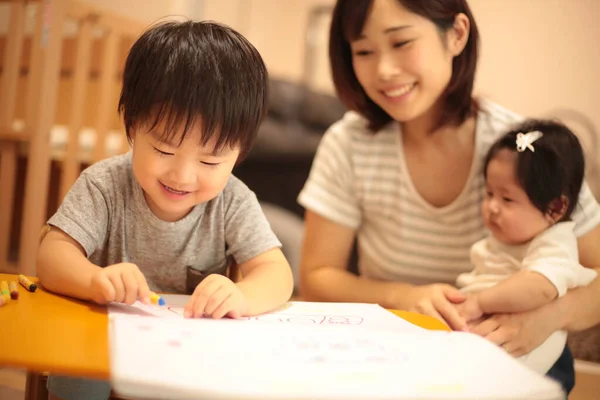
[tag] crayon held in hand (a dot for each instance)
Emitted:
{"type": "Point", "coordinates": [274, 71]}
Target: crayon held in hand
{"type": "Point", "coordinates": [26, 283]}
{"type": "Point", "coordinates": [14, 291]}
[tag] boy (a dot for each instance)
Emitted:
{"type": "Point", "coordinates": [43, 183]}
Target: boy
{"type": "Point", "coordinates": [169, 216]}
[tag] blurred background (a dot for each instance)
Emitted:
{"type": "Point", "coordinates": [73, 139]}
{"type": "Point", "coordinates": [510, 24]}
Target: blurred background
{"type": "Point", "coordinates": [61, 62]}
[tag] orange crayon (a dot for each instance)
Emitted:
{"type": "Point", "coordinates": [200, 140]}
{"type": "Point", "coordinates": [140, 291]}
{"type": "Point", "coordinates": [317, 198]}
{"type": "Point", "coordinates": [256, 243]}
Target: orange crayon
{"type": "Point", "coordinates": [14, 291]}
{"type": "Point", "coordinates": [26, 283]}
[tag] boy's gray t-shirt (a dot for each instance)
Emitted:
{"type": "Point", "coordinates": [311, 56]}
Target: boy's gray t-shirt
{"type": "Point", "coordinates": [106, 212]}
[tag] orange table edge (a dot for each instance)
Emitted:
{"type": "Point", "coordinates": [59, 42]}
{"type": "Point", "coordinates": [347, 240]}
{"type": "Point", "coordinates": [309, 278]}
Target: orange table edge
{"type": "Point", "coordinates": [45, 332]}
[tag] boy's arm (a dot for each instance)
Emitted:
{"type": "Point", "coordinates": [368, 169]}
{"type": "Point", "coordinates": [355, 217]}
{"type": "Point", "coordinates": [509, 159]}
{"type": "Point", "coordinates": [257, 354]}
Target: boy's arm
{"type": "Point", "coordinates": [64, 269]}
{"type": "Point", "coordinates": [58, 256]}
{"type": "Point", "coordinates": [267, 281]}
{"type": "Point", "coordinates": [522, 291]}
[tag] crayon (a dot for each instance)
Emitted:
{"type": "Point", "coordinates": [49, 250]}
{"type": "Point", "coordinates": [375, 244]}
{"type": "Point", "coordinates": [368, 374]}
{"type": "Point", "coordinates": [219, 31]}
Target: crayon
{"type": "Point", "coordinates": [2, 301]}
{"type": "Point", "coordinates": [14, 291]}
{"type": "Point", "coordinates": [156, 299]}
{"type": "Point", "coordinates": [27, 284]}
{"type": "Point", "coordinates": [4, 291]}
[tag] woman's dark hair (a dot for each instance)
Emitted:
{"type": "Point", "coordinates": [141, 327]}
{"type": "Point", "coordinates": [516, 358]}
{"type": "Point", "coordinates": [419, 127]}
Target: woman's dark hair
{"type": "Point", "coordinates": [556, 168]}
{"type": "Point", "coordinates": [348, 20]}
{"type": "Point", "coordinates": [187, 72]}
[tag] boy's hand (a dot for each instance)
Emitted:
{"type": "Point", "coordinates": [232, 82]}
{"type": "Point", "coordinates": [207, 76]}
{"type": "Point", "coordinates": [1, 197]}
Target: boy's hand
{"type": "Point", "coordinates": [216, 296]}
{"type": "Point", "coordinates": [122, 283]}
{"type": "Point", "coordinates": [470, 309]}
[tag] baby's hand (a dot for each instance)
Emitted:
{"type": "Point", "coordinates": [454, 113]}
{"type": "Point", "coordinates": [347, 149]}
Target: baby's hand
{"type": "Point", "coordinates": [216, 296]}
{"type": "Point", "coordinates": [470, 308]}
{"type": "Point", "coordinates": [122, 283]}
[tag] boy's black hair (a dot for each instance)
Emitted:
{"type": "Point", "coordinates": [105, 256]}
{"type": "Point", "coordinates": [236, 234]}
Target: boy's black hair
{"type": "Point", "coordinates": [187, 72]}
{"type": "Point", "coordinates": [556, 167]}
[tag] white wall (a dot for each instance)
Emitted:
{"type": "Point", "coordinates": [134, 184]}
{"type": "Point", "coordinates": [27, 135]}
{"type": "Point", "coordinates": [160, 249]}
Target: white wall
{"type": "Point", "coordinates": [151, 10]}
{"type": "Point", "coordinates": [537, 56]}
{"type": "Point", "coordinates": [143, 10]}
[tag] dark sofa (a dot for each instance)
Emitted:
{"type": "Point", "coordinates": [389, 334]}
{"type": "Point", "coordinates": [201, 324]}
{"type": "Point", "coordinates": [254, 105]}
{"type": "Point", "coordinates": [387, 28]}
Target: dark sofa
{"type": "Point", "coordinates": [280, 160]}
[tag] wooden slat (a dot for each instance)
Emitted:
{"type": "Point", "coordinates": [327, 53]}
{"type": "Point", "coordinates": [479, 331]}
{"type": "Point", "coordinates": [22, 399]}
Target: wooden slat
{"type": "Point", "coordinates": [78, 96]}
{"type": "Point", "coordinates": [121, 25]}
{"type": "Point", "coordinates": [106, 104]}
{"type": "Point", "coordinates": [35, 71]}
{"type": "Point", "coordinates": [10, 66]}
{"type": "Point", "coordinates": [8, 99]}
{"type": "Point", "coordinates": [47, 46]}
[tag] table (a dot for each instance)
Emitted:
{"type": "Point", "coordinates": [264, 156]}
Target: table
{"type": "Point", "coordinates": [45, 332]}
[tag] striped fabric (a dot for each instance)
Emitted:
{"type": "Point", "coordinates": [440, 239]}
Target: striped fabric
{"type": "Point", "coordinates": [360, 180]}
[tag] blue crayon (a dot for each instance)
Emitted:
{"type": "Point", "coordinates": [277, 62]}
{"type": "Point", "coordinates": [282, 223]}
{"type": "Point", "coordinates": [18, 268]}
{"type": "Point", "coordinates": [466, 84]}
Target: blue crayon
{"type": "Point", "coordinates": [156, 299]}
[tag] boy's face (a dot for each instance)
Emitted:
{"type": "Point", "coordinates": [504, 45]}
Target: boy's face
{"type": "Point", "coordinates": [175, 178]}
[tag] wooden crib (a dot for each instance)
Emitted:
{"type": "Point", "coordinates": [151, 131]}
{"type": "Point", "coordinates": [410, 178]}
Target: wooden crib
{"type": "Point", "coordinates": [59, 88]}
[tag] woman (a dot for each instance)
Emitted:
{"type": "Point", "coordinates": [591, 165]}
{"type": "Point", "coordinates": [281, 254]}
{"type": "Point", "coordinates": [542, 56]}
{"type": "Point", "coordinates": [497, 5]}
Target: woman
{"type": "Point", "coordinates": [401, 175]}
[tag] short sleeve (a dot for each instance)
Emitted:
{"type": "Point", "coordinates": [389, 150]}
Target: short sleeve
{"type": "Point", "coordinates": [330, 188]}
{"type": "Point", "coordinates": [83, 214]}
{"type": "Point", "coordinates": [554, 255]}
{"type": "Point", "coordinates": [587, 212]}
{"type": "Point", "coordinates": [247, 230]}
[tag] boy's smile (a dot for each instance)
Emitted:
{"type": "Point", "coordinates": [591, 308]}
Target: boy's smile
{"type": "Point", "coordinates": [176, 194]}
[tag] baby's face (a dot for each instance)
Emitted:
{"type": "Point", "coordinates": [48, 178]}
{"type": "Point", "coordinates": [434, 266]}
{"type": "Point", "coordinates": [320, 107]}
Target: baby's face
{"type": "Point", "coordinates": [176, 177]}
{"type": "Point", "coordinates": [507, 211]}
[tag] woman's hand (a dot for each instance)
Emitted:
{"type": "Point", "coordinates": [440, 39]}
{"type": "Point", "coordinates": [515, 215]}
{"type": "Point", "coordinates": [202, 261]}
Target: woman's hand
{"type": "Point", "coordinates": [438, 301]}
{"type": "Point", "coordinates": [519, 333]}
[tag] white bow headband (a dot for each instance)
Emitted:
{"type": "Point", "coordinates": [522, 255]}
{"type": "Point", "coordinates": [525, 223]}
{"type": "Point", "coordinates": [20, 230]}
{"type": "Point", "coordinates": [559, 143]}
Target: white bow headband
{"type": "Point", "coordinates": [525, 140]}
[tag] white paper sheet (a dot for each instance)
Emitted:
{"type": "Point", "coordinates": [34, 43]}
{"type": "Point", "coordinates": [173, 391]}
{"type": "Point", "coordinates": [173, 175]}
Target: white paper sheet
{"type": "Point", "coordinates": [295, 313]}
{"type": "Point", "coordinates": [293, 354]}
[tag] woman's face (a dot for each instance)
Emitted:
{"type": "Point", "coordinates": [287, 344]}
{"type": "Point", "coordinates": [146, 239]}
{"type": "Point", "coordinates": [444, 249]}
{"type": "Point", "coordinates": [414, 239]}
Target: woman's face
{"type": "Point", "coordinates": [403, 61]}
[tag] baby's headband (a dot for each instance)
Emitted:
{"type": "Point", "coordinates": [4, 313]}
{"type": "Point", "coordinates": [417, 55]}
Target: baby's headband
{"type": "Point", "coordinates": [525, 140]}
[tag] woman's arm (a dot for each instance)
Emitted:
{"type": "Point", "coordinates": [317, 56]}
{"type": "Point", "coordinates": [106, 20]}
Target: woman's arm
{"type": "Point", "coordinates": [323, 271]}
{"type": "Point", "coordinates": [324, 277]}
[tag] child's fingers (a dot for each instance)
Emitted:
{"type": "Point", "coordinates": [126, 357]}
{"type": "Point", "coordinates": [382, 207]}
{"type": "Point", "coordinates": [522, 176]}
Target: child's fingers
{"type": "Point", "coordinates": [119, 287]}
{"type": "Point", "coordinates": [131, 287]}
{"type": "Point", "coordinates": [216, 299]}
{"type": "Point", "coordinates": [226, 306]}
{"type": "Point", "coordinates": [107, 290]}
{"type": "Point", "coordinates": [451, 315]}
{"type": "Point", "coordinates": [234, 313]}
{"type": "Point", "coordinates": [143, 288]}
{"type": "Point", "coordinates": [197, 303]}
{"type": "Point", "coordinates": [454, 295]}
